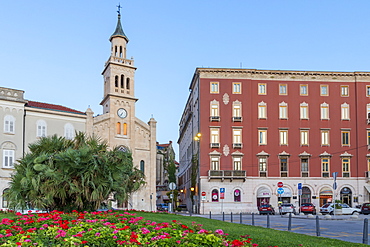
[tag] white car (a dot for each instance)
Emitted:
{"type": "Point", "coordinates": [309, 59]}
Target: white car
{"type": "Point", "coordinates": [328, 208]}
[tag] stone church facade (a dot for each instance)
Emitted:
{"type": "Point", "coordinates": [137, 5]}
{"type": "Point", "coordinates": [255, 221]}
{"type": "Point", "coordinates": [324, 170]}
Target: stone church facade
{"type": "Point", "coordinates": [23, 122]}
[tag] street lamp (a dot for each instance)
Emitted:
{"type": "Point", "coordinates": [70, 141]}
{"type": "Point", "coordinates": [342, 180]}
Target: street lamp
{"type": "Point", "coordinates": [191, 197]}
{"type": "Point", "coordinates": [197, 137]}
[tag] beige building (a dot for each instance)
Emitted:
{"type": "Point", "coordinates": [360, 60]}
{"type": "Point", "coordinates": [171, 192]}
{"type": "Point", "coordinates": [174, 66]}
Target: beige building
{"type": "Point", "coordinates": [24, 122]}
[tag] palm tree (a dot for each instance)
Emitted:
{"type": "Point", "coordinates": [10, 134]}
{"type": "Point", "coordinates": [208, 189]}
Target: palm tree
{"type": "Point", "coordinates": [72, 174]}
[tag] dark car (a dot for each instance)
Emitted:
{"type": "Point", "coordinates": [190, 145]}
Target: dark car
{"type": "Point", "coordinates": [266, 209]}
{"type": "Point", "coordinates": [365, 208]}
{"type": "Point", "coordinates": [308, 208]}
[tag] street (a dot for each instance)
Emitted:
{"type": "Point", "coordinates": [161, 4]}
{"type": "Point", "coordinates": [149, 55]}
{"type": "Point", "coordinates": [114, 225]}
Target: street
{"type": "Point", "coordinates": [342, 227]}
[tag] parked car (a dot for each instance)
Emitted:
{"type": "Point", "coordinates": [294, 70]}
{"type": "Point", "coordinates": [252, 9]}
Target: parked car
{"type": "Point", "coordinates": [31, 210]}
{"type": "Point", "coordinates": [365, 208]}
{"type": "Point", "coordinates": [162, 207]}
{"type": "Point", "coordinates": [287, 208]}
{"type": "Point", "coordinates": [266, 209]}
{"type": "Point", "coordinates": [308, 208]}
{"type": "Point", "coordinates": [328, 208]}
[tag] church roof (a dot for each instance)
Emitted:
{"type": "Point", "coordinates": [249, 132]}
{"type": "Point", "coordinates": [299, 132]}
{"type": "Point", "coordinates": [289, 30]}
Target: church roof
{"type": "Point", "coordinates": [47, 106]}
{"type": "Point", "coordinates": [119, 31]}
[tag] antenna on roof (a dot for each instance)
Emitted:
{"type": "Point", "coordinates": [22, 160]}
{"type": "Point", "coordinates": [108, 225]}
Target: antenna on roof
{"type": "Point", "coordinates": [241, 65]}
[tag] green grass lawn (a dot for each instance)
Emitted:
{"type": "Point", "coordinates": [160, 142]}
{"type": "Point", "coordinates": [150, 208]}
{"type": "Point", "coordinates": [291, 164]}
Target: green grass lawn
{"type": "Point", "coordinates": [264, 237]}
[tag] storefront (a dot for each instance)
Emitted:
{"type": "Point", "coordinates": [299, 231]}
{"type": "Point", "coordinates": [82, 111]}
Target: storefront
{"type": "Point", "coordinates": [286, 196]}
{"type": "Point", "coordinates": [306, 195]}
{"type": "Point", "coordinates": [263, 196]}
{"type": "Point", "coordinates": [346, 196]}
{"type": "Point", "coordinates": [326, 196]}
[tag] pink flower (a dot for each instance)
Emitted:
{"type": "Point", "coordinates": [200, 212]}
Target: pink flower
{"type": "Point", "coordinates": [97, 234]}
{"type": "Point", "coordinates": [219, 231]}
{"type": "Point", "coordinates": [114, 236]}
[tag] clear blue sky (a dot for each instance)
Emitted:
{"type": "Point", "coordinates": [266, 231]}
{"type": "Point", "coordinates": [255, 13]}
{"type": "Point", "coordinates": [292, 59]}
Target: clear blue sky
{"type": "Point", "coordinates": [55, 50]}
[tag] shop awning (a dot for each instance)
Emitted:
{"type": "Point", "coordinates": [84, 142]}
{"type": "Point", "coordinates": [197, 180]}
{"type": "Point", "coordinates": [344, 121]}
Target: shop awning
{"type": "Point", "coordinates": [367, 187]}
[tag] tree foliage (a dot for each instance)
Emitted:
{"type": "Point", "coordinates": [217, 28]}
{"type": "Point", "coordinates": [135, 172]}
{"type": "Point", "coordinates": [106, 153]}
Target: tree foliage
{"type": "Point", "coordinates": [78, 174]}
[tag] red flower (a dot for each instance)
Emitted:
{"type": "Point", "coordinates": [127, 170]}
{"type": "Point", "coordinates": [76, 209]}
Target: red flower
{"type": "Point", "coordinates": [236, 242]}
{"type": "Point", "coordinates": [18, 243]}
{"type": "Point", "coordinates": [84, 242]}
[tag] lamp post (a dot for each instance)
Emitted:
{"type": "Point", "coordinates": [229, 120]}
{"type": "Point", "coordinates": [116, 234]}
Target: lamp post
{"type": "Point", "coordinates": [197, 182]}
{"type": "Point", "coordinates": [191, 197]}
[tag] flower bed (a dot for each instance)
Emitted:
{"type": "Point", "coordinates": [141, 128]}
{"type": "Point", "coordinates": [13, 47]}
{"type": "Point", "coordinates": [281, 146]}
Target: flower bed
{"type": "Point", "coordinates": [111, 228]}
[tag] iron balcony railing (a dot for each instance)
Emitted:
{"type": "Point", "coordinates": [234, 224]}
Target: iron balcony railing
{"type": "Point", "coordinates": [227, 174]}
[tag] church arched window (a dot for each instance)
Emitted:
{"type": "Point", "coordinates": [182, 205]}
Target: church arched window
{"type": "Point", "coordinates": [142, 166]}
{"type": "Point", "coordinates": [116, 81]}
{"type": "Point", "coordinates": [118, 128]}
{"type": "Point", "coordinates": [125, 128]}
{"type": "Point", "coordinates": [128, 83]}
{"type": "Point", "coordinates": [122, 81]}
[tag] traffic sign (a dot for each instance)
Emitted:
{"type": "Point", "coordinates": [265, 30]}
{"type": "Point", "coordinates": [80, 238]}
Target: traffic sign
{"type": "Point", "coordinates": [172, 186]}
{"type": "Point", "coordinates": [280, 191]}
{"type": "Point", "coordinates": [222, 190]}
{"type": "Point", "coordinates": [222, 195]}
{"type": "Point", "coordinates": [203, 193]}
{"type": "Point", "coordinates": [299, 186]}
{"type": "Point", "coordinates": [203, 198]}
{"type": "Point", "coordinates": [299, 192]}
{"type": "Point", "coordinates": [280, 184]}
{"type": "Point", "coordinates": [335, 174]}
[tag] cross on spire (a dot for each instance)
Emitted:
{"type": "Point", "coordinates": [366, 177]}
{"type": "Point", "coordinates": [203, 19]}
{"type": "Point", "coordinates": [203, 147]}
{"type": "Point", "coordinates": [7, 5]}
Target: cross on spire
{"type": "Point", "coordinates": [119, 8]}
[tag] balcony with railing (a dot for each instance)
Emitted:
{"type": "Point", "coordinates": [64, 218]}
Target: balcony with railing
{"type": "Point", "coordinates": [215, 145]}
{"type": "Point", "coordinates": [214, 118]}
{"type": "Point", "coordinates": [237, 119]}
{"type": "Point", "coordinates": [227, 174]}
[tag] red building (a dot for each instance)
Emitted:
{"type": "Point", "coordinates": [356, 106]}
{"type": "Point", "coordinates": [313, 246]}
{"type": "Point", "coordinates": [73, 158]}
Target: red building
{"type": "Point", "coordinates": [261, 127]}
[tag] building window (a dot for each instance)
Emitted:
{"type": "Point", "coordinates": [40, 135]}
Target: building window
{"type": "Point", "coordinates": [344, 91]}
{"type": "Point", "coordinates": [368, 91]}
{"type": "Point", "coordinates": [118, 128]}
{"type": "Point", "coordinates": [237, 163]}
{"type": "Point", "coordinates": [262, 164]}
{"type": "Point", "coordinates": [368, 112]}
{"type": "Point", "coordinates": [215, 111]}
{"type": "Point", "coordinates": [262, 137]}
{"type": "Point", "coordinates": [262, 90]}
{"type": "Point", "coordinates": [325, 167]}
{"type": "Point", "coordinates": [214, 87]}
{"type": "Point", "coordinates": [125, 128]}
{"type": "Point", "coordinates": [237, 138]}
{"type": "Point", "coordinates": [304, 110]}
{"type": "Point", "coordinates": [122, 81]}
{"type": "Point", "coordinates": [5, 199]}
{"type": "Point", "coordinates": [345, 111]}
{"type": "Point", "coordinates": [345, 138]}
{"type": "Point", "coordinates": [215, 163]}
{"type": "Point", "coordinates": [283, 137]}
{"type": "Point", "coordinates": [324, 107]}
{"type": "Point", "coordinates": [304, 137]}
{"type": "Point", "coordinates": [41, 128]}
{"type": "Point", "coordinates": [237, 195]}
{"type": "Point", "coordinates": [215, 195]}
{"type": "Point", "coordinates": [325, 137]}
{"type": "Point", "coordinates": [8, 158]}
{"type": "Point", "coordinates": [304, 167]}
{"type": "Point", "coordinates": [237, 88]}
{"type": "Point", "coordinates": [283, 89]}
{"type": "Point", "coordinates": [9, 123]}
{"type": "Point", "coordinates": [324, 90]}
{"type": "Point", "coordinates": [142, 166]}
{"type": "Point", "coordinates": [116, 81]}
{"type": "Point", "coordinates": [237, 116]}
{"type": "Point", "coordinates": [127, 83]}
{"type": "Point", "coordinates": [303, 90]}
{"type": "Point", "coordinates": [283, 166]}
{"type": "Point", "coordinates": [283, 110]}
{"type": "Point", "coordinates": [69, 131]}
{"type": "Point", "coordinates": [345, 167]}
{"type": "Point", "coordinates": [215, 140]}
{"type": "Point", "coordinates": [262, 110]}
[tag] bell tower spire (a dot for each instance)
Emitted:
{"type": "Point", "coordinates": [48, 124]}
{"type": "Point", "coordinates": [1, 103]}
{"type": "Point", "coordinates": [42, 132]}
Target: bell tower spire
{"type": "Point", "coordinates": [119, 72]}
